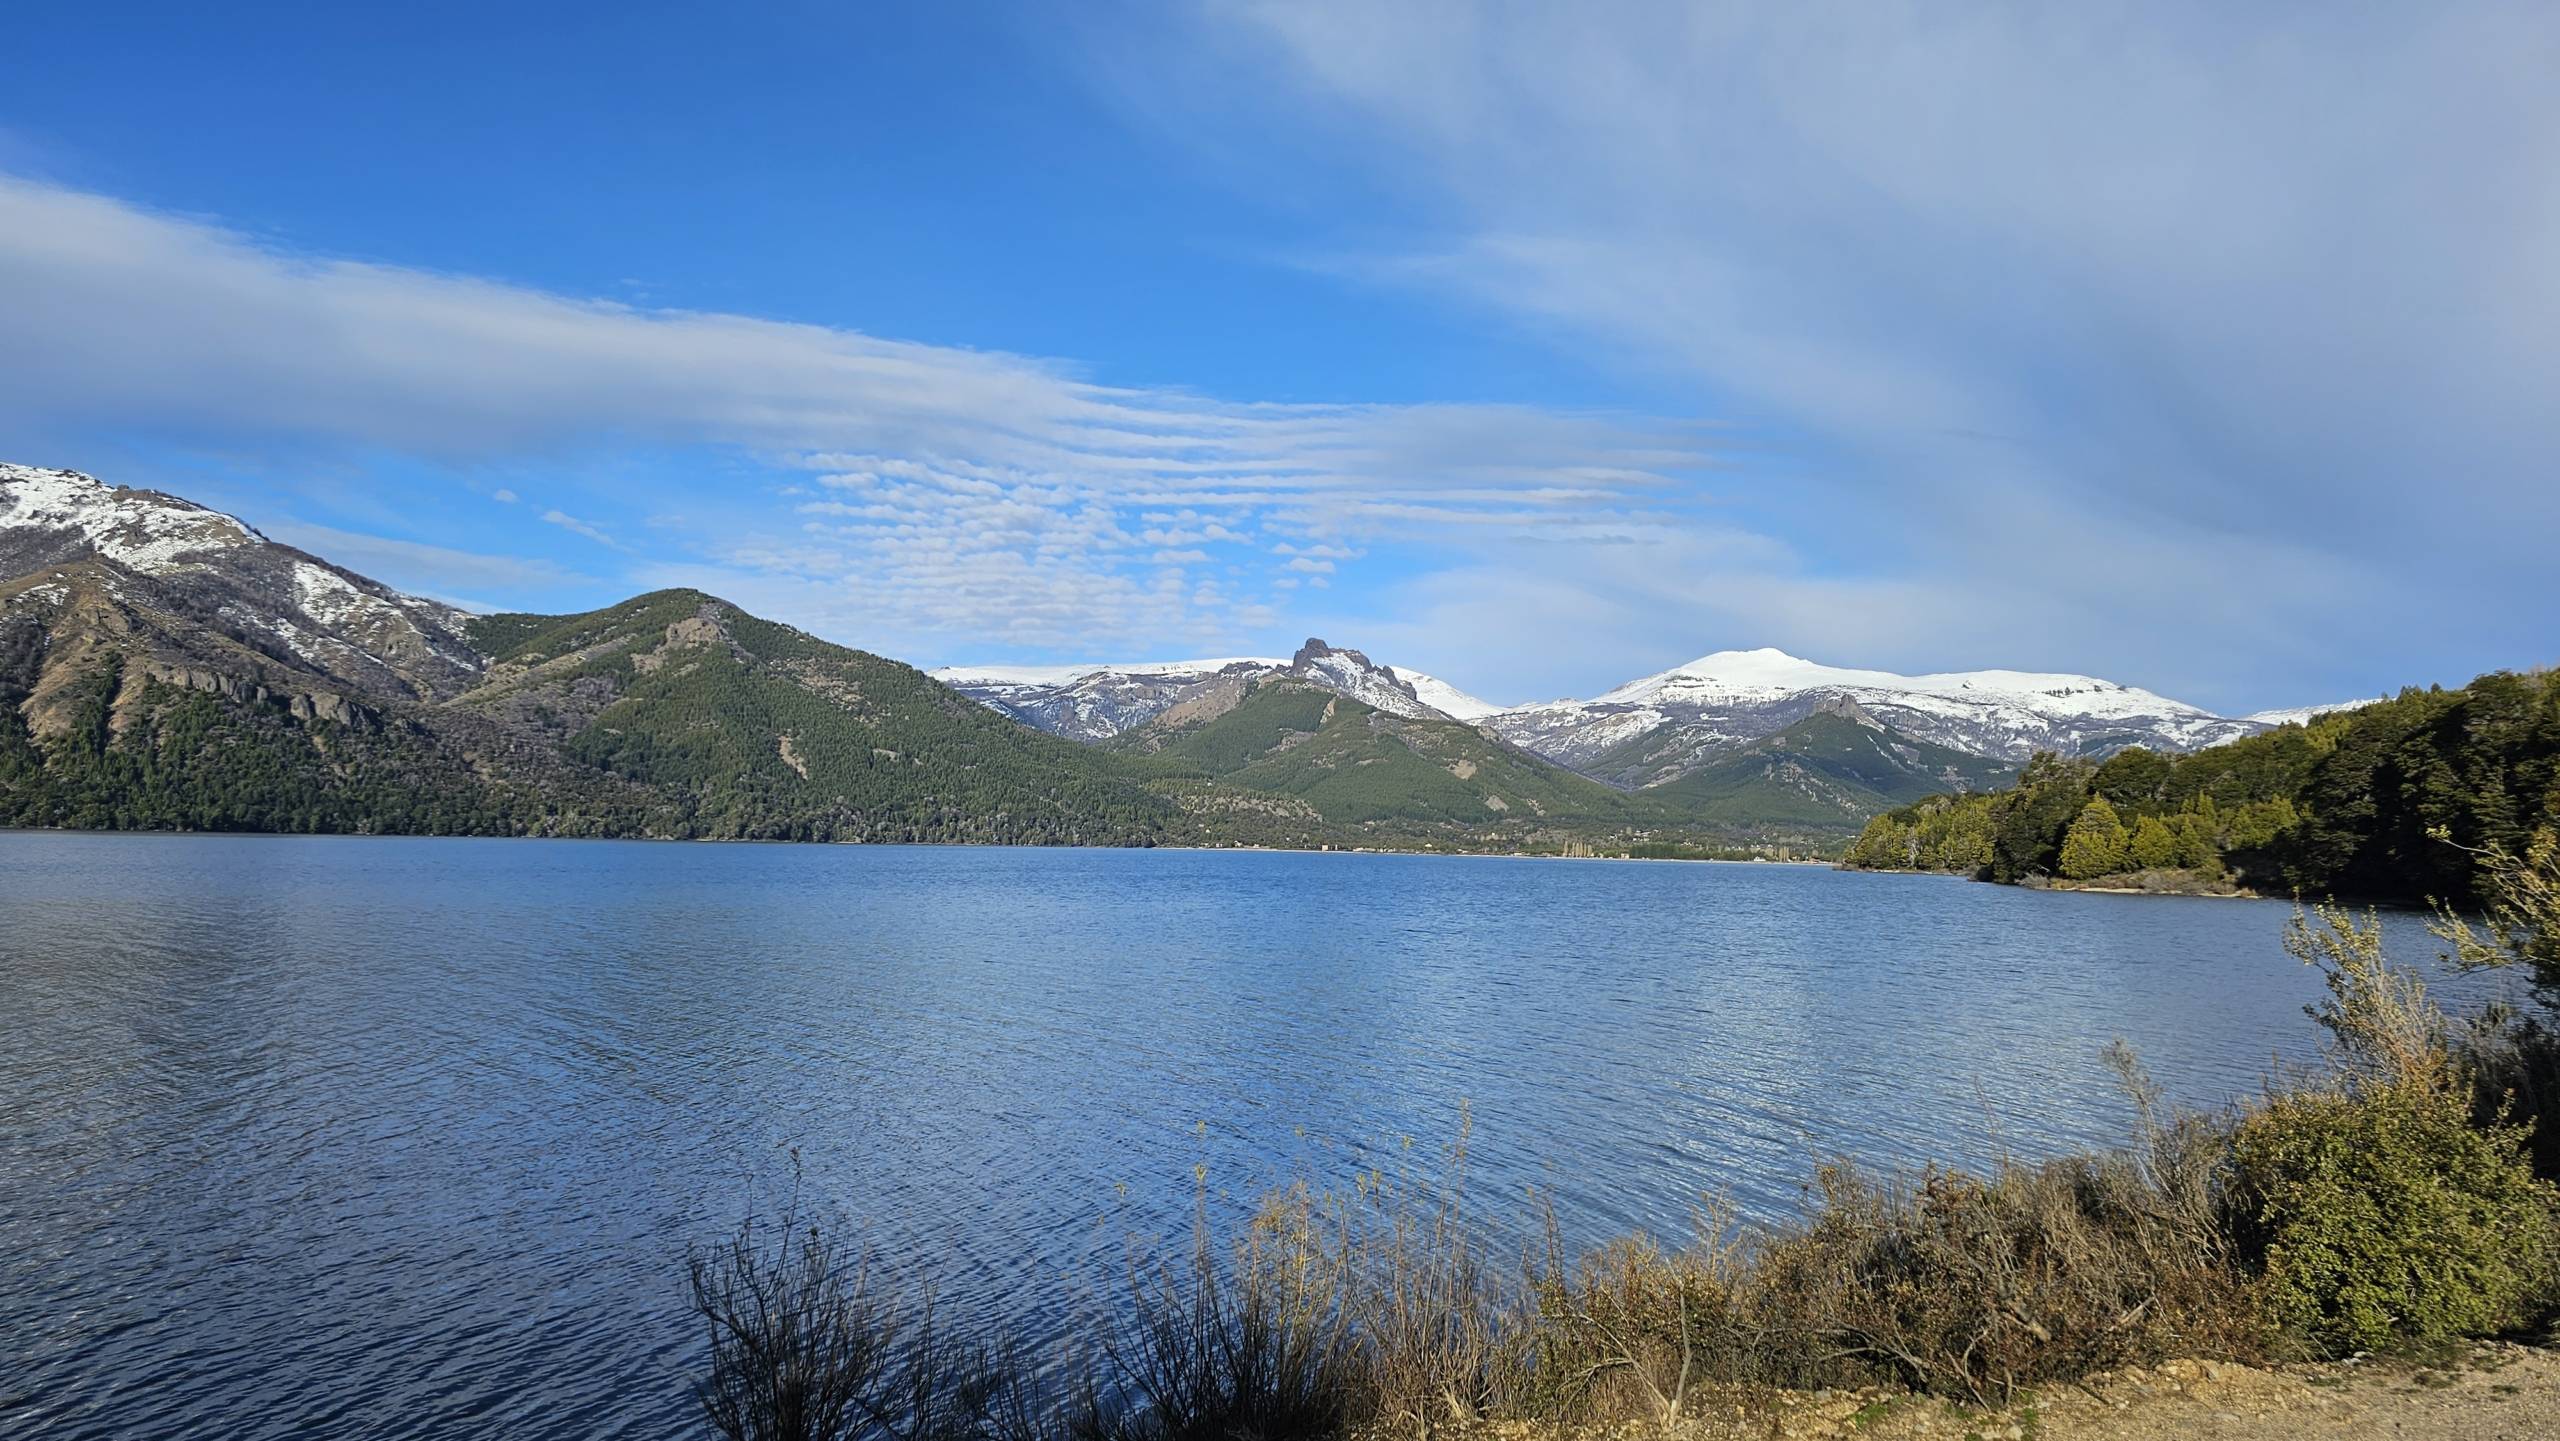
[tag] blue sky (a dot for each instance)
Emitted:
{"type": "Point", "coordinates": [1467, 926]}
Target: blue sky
{"type": "Point", "coordinates": [2213, 349]}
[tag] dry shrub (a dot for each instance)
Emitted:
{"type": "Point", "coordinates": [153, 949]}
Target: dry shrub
{"type": "Point", "coordinates": [2369, 1206]}
{"type": "Point", "coordinates": [1976, 1286]}
{"type": "Point", "coordinates": [1262, 1350]}
{"type": "Point", "coordinates": [1636, 1331]}
{"type": "Point", "coordinates": [1336, 1311]}
{"type": "Point", "coordinates": [807, 1345]}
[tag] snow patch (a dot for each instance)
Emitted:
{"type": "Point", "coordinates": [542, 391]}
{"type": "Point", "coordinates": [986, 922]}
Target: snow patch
{"type": "Point", "coordinates": [2296, 715]}
{"type": "Point", "coordinates": [1444, 697]}
{"type": "Point", "coordinates": [150, 533]}
{"type": "Point", "coordinates": [1066, 675]}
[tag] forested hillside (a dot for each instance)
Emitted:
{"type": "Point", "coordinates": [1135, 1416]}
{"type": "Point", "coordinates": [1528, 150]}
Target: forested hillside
{"type": "Point", "coordinates": [672, 714]}
{"type": "Point", "coordinates": [2391, 802]}
{"type": "Point", "coordinates": [1295, 759]}
{"type": "Point", "coordinates": [166, 666]}
{"type": "Point", "coordinates": [755, 730]}
{"type": "Point", "coordinates": [1820, 777]}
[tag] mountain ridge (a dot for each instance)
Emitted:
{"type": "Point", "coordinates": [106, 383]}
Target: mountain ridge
{"type": "Point", "coordinates": [166, 666]}
{"type": "Point", "coordinates": [1095, 702]}
{"type": "Point", "coordinates": [160, 662]}
{"type": "Point", "coordinates": [1656, 729]}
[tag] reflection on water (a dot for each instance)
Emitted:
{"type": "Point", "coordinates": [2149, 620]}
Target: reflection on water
{"type": "Point", "coordinates": [409, 1137]}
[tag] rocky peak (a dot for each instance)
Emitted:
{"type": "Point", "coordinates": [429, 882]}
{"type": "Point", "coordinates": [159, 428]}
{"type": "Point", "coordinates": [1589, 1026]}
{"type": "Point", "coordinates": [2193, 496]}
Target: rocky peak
{"type": "Point", "coordinates": [1847, 708]}
{"type": "Point", "coordinates": [1315, 650]}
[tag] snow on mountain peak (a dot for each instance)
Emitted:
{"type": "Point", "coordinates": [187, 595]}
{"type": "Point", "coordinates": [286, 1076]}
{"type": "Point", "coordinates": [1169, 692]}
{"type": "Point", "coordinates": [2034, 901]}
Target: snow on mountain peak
{"type": "Point", "coordinates": [966, 676]}
{"type": "Point", "coordinates": [145, 530]}
{"type": "Point", "coordinates": [1444, 697]}
{"type": "Point", "coordinates": [1093, 701]}
{"type": "Point", "coordinates": [1767, 672]}
{"type": "Point", "coordinates": [2297, 715]}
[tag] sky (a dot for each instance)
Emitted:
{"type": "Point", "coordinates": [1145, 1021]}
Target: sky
{"type": "Point", "coordinates": [2213, 349]}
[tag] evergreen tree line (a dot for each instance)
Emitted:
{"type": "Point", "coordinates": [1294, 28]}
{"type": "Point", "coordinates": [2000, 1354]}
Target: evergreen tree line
{"type": "Point", "coordinates": [2391, 802]}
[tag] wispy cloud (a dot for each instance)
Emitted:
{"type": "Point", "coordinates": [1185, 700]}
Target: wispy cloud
{"type": "Point", "coordinates": [575, 526]}
{"type": "Point", "coordinates": [2069, 300]}
{"type": "Point", "coordinates": [926, 494]}
{"type": "Point", "coordinates": [448, 574]}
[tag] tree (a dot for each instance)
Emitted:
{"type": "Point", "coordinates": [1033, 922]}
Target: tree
{"type": "Point", "coordinates": [2033, 817]}
{"type": "Point", "coordinates": [2258, 823]}
{"type": "Point", "coordinates": [2096, 844]}
{"type": "Point", "coordinates": [2133, 777]}
{"type": "Point", "coordinates": [2195, 840]}
{"type": "Point", "coordinates": [2523, 920]}
{"type": "Point", "coordinates": [2155, 846]}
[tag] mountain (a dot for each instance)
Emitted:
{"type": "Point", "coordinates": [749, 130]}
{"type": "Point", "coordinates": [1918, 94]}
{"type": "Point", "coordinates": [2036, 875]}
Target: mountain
{"type": "Point", "coordinates": [1828, 772]}
{"type": "Point", "coordinates": [165, 665]}
{"type": "Point", "coordinates": [1323, 756]}
{"type": "Point", "coordinates": [1663, 726]}
{"type": "Point", "coordinates": [198, 600]}
{"type": "Point", "coordinates": [1096, 702]}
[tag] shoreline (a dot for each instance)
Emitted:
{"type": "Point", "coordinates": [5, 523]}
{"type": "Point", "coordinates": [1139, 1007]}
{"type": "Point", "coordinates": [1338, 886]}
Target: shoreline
{"type": "Point", "coordinates": [926, 845]}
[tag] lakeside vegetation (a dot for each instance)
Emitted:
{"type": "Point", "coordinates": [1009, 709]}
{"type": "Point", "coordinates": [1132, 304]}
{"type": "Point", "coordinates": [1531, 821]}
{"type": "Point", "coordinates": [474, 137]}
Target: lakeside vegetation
{"type": "Point", "coordinates": [2396, 802]}
{"type": "Point", "coordinates": [2391, 1199]}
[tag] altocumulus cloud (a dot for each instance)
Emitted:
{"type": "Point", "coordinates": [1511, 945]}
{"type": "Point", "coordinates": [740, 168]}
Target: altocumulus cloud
{"type": "Point", "coordinates": [936, 494]}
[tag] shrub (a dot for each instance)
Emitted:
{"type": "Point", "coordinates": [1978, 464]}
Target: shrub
{"type": "Point", "coordinates": [805, 1346]}
{"type": "Point", "coordinates": [1963, 1285]}
{"type": "Point", "coordinates": [1974, 1287]}
{"type": "Point", "coordinates": [2388, 1201]}
{"type": "Point", "coordinates": [2380, 1209]}
{"type": "Point", "coordinates": [2383, 1216]}
{"type": "Point", "coordinates": [1264, 1350]}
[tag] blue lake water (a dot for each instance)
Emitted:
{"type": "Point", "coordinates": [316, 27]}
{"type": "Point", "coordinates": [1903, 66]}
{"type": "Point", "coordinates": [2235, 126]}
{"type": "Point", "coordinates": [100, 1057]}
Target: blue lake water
{"type": "Point", "coordinates": [410, 1137]}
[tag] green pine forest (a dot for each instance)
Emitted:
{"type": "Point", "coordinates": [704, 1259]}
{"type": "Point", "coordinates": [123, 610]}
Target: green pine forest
{"type": "Point", "coordinates": [2393, 802]}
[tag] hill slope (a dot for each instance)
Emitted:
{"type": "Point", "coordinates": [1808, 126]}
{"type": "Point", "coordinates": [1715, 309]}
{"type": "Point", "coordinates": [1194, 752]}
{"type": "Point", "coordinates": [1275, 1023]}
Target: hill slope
{"type": "Point", "coordinates": [755, 729]}
{"type": "Point", "coordinates": [163, 665]}
{"type": "Point", "coordinates": [1829, 772]}
{"type": "Point", "coordinates": [1097, 702]}
{"type": "Point", "coordinates": [1346, 764]}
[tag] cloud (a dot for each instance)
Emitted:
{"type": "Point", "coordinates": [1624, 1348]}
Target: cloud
{"type": "Point", "coordinates": [933, 494]}
{"type": "Point", "coordinates": [2037, 296]}
{"type": "Point", "coordinates": [503, 497]}
{"type": "Point", "coordinates": [575, 526]}
{"type": "Point", "coordinates": [434, 570]}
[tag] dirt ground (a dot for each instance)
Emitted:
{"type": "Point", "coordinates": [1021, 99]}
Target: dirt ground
{"type": "Point", "coordinates": [2490, 1392]}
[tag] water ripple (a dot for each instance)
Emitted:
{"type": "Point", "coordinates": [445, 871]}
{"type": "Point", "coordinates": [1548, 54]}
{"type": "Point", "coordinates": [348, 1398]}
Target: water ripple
{"type": "Point", "coordinates": [409, 1138]}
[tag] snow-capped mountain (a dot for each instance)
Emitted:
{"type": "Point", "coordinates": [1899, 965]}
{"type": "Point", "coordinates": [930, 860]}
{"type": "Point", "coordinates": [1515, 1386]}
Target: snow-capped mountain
{"type": "Point", "coordinates": [1443, 697]}
{"type": "Point", "coordinates": [1097, 702]}
{"type": "Point", "coordinates": [1665, 725]}
{"type": "Point", "coordinates": [1094, 702]}
{"type": "Point", "coordinates": [198, 599]}
{"type": "Point", "coordinates": [2297, 715]}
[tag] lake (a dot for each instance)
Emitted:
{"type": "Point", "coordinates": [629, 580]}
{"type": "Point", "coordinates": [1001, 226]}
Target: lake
{"type": "Point", "coordinates": [344, 1137]}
